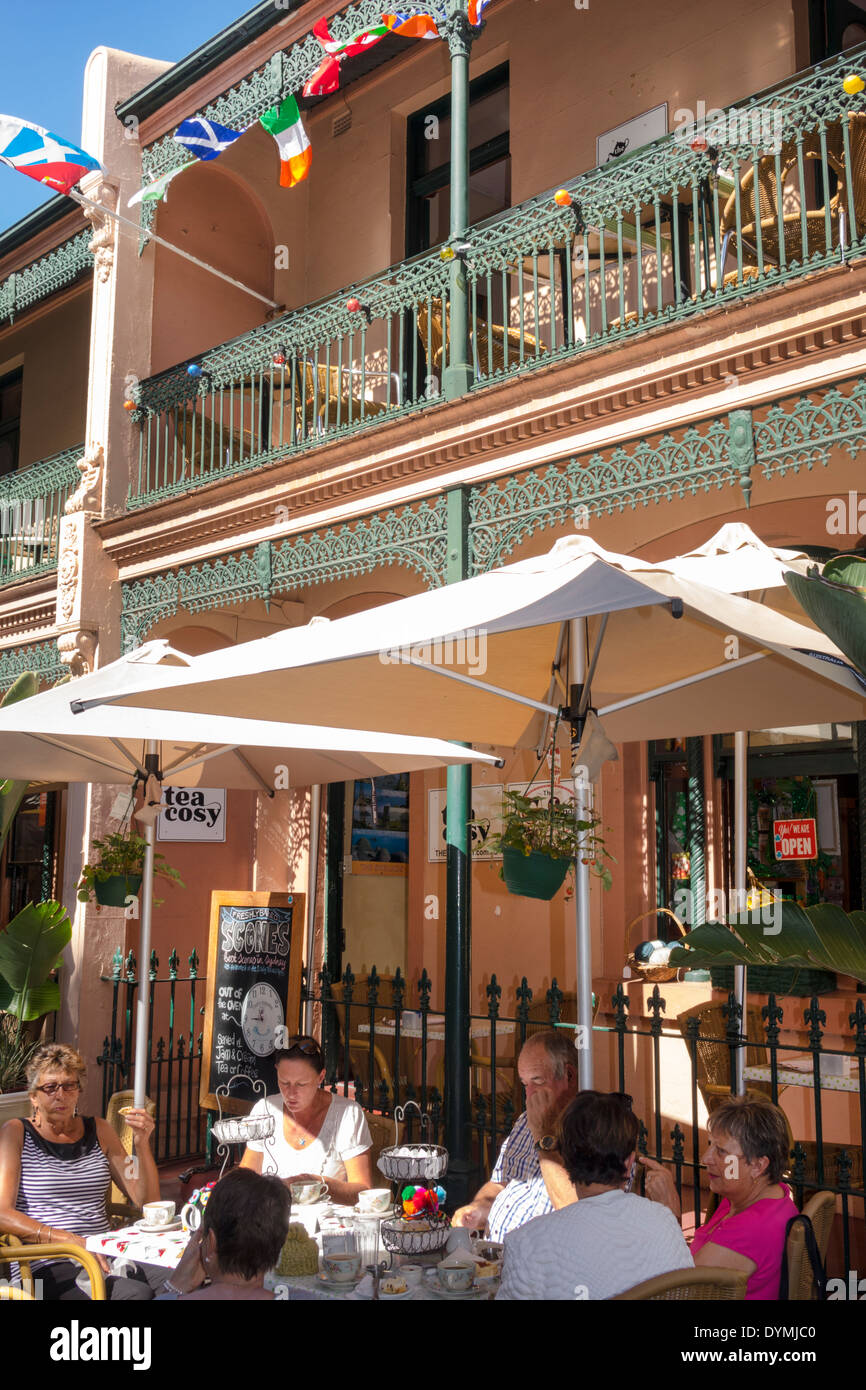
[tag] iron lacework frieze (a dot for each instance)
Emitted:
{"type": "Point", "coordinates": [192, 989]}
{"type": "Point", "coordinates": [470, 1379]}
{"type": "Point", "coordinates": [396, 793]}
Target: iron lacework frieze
{"type": "Point", "coordinates": [795, 433]}
{"type": "Point", "coordinates": [43, 658]}
{"type": "Point", "coordinates": [61, 267]}
{"type": "Point", "coordinates": [415, 538]}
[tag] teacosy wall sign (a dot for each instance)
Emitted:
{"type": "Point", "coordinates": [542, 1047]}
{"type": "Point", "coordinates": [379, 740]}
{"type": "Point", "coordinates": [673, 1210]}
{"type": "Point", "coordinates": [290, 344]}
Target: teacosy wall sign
{"type": "Point", "coordinates": [192, 813]}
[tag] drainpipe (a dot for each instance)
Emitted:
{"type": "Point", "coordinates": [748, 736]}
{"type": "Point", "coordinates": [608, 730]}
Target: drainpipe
{"type": "Point", "coordinates": [457, 377]}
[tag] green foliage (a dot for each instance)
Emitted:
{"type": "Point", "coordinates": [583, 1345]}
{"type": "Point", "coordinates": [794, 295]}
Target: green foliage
{"type": "Point", "coordinates": [121, 855]}
{"type": "Point", "coordinates": [530, 824]}
{"type": "Point", "coordinates": [12, 793]}
{"type": "Point", "coordinates": [30, 950]}
{"type": "Point", "coordinates": [835, 600]}
{"type": "Point", "coordinates": [823, 935]}
{"type": "Point", "coordinates": [15, 1053]}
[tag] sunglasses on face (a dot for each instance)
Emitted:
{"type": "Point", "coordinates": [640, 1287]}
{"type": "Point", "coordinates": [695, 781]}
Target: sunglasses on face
{"type": "Point", "coordinates": [54, 1086]}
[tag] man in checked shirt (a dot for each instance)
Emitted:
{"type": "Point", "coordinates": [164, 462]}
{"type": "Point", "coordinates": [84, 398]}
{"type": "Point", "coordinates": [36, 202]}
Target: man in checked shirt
{"type": "Point", "coordinates": [529, 1178]}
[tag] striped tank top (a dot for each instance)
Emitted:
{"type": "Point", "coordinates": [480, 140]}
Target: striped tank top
{"type": "Point", "coordinates": [64, 1185]}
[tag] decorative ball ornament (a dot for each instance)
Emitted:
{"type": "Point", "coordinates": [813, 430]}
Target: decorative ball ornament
{"type": "Point", "coordinates": [129, 405]}
{"type": "Point", "coordinates": [699, 144]}
{"type": "Point", "coordinates": [853, 84]}
{"type": "Point", "coordinates": [447, 253]}
{"type": "Point", "coordinates": [353, 305]}
{"type": "Point", "coordinates": [563, 198]}
{"type": "Point", "coordinates": [279, 358]}
{"type": "Point", "coordinates": [195, 369]}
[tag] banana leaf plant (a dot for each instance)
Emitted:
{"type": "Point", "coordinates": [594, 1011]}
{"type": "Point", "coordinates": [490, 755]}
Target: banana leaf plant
{"type": "Point", "coordinates": [835, 600]}
{"type": "Point", "coordinates": [12, 793]}
{"type": "Point", "coordinates": [823, 936]}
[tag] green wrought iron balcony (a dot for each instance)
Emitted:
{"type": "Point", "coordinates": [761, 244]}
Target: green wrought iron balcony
{"type": "Point", "coordinates": [31, 506]}
{"type": "Point", "coordinates": [740, 202]}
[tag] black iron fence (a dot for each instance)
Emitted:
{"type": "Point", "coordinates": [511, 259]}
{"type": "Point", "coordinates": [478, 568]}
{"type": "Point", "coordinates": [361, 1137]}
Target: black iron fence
{"type": "Point", "coordinates": [174, 1048]}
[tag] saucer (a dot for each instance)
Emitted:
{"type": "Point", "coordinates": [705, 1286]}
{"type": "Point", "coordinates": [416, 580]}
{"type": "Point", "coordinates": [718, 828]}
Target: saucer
{"type": "Point", "coordinates": [473, 1292]}
{"type": "Point", "coordinates": [148, 1230]}
{"type": "Point", "coordinates": [379, 1215]}
{"type": "Point", "coordinates": [385, 1297]}
{"type": "Point", "coordinates": [338, 1285]}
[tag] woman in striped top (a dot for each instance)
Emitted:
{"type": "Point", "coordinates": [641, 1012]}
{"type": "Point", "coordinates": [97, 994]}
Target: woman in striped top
{"type": "Point", "coordinates": [56, 1169]}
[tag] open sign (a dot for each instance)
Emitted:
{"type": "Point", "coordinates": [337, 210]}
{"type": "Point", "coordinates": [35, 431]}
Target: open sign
{"type": "Point", "coordinates": [796, 839]}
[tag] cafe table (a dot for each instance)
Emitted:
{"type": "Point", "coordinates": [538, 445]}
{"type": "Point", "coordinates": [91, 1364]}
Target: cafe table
{"type": "Point", "coordinates": [798, 1071]}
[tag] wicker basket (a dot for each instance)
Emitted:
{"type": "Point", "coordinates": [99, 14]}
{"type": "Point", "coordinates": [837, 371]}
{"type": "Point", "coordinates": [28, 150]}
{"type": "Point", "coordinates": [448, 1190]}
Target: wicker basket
{"type": "Point", "coordinates": [400, 1238]}
{"type": "Point", "coordinates": [655, 974]}
{"type": "Point", "coordinates": [243, 1128]}
{"type": "Point", "coordinates": [419, 1163]}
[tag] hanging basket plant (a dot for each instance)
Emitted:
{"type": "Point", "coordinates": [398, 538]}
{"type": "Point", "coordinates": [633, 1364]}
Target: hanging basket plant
{"type": "Point", "coordinates": [540, 841]}
{"type": "Point", "coordinates": [119, 871]}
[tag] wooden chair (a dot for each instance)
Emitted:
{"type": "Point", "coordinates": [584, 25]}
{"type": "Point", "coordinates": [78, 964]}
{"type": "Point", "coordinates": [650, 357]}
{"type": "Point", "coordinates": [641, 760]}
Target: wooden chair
{"type": "Point", "coordinates": [821, 1210]}
{"type": "Point", "coordinates": [119, 1207]}
{"type": "Point", "coordinates": [693, 1285]}
{"type": "Point", "coordinates": [761, 211]}
{"type": "Point", "coordinates": [14, 1251]}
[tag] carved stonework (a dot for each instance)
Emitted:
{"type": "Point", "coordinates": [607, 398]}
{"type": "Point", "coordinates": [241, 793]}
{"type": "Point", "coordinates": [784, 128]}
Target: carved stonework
{"type": "Point", "coordinates": [77, 651]}
{"type": "Point", "coordinates": [102, 241]}
{"type": "Point", "coordinates": [86, 497]}
{"type": "Point", "coordinates": [67, 584]}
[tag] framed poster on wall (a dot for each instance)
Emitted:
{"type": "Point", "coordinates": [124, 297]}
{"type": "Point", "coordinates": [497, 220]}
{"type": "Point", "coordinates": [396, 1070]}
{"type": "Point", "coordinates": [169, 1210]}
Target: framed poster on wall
{"type": "Point", "coordinates": [253, 988]}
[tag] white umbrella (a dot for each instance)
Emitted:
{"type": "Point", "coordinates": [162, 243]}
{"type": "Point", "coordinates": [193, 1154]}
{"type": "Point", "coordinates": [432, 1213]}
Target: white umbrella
{"type": "Point", "coordinates": [473, 661]}
{"type": "Point", "coordinates": [42, 740]}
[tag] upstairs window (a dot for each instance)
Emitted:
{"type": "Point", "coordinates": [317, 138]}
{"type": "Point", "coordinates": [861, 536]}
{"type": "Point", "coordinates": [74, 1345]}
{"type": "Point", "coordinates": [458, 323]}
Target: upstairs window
{"type": "Point", "coordinates": [10, 420]}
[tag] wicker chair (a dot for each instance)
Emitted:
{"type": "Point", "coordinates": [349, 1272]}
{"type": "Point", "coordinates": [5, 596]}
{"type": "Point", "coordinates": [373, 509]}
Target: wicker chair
{"type": "Point", "coordinates": [768, 217]}
{"type": "Point", "coordinates": [14, 1251]}
{"type": "Point", "coordinates": [324, 398]}
{"type": "Point", "coordinates": [119, 1207]}
{"type": "Point", "coordinates": [356, 1050]}
{"type": "Point", "coordinates": [382, 1133]}
{"type": "Point", "coordinates": [205, 446]}
{"type": "Point", "coordinates": [693, 1285]}
{"type": "Point", "coordinates": [488, 340]}
{"type": "Point", "coordinates": [821, 1210]}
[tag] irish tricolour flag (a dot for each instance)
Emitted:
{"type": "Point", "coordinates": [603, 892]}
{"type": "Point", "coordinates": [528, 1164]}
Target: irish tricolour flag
{"type": "Point", "coordinates": [284, 123]}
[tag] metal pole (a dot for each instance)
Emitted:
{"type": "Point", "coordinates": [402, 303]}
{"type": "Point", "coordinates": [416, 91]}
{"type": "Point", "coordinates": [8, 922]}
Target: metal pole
{"type": "Point", "coordinates": [312, 880]}
{"type": "Point", "coordinates": [141, 1004]}
{"type": "Point", "coordinates": [741, 753]}
{"type": "Point", "coordinates": [457, 377]}
{"type": "Point", "coordinates": [458, 870]}
{"type": "Point", "coordinates": [583, 939]}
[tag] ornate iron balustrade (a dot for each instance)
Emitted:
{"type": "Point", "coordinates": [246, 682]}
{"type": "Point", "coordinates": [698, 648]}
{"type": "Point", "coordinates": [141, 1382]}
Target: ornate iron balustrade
{"type": "Point", "coordinates": [61, 267]}
{"type": "Point", "coordinates": [31, 506]}
{"type": "Point", "coordinates": [672, 231]}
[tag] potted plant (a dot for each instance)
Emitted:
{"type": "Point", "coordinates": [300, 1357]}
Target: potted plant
{"type": "Point", "coordinates": [118, 873]}
{"type": "Point", "coordinates": [540, 841]}
{"type": "Point", "coordinates": [31, 948]}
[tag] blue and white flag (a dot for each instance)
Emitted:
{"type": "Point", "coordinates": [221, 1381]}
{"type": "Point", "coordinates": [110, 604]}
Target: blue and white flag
{"type": "Point", "coordinates": [205, 139]}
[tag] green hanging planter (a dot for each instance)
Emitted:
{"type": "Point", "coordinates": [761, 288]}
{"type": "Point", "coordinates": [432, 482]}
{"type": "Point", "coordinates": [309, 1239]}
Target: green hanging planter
{"type": "Point", "coordinates": [113, 892]}
{"type": "Point", "coordinates": [533, 875]}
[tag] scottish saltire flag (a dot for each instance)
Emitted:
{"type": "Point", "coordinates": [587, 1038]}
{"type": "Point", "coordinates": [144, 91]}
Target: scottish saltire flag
{"type": "Point", "coordinates": [47, 158]}
{"type": "Point", "coordinates": [412, 26]}
{"type": "Point", "coordinates": [205, 139]}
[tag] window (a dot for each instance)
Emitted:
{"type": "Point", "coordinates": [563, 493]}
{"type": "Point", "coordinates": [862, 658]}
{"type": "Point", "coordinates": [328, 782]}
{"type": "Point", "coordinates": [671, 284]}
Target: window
{"type": "Point", "coordinates": [10, 420]}
{"type": "Point", "coordinates": [835, 25]}
{"type": "Point", "coordinates": [428, 166]}
{"type": "Point", "coordinates": [31, 853]}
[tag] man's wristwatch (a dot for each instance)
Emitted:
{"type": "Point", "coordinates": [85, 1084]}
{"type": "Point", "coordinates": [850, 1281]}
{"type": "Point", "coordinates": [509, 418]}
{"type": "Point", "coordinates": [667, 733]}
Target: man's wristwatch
{"type": "Point", "coordinates": [548, 1143]}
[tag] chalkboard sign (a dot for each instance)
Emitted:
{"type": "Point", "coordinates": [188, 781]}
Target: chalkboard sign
{"type": "Point", "coordinates": [253, 988]}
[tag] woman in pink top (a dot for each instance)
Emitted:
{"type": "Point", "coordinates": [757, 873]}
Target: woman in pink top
{"type": "Point", "coordinates": [745, 1160]}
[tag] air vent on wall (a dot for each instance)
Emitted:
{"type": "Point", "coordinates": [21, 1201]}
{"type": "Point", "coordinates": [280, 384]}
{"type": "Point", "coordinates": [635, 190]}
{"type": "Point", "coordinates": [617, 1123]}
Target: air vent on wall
{"type": "Point", "coordinates": [341, 124]}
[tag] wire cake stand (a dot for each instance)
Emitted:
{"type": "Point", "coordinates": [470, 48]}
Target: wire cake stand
{"type": "Point", "coordinates": [425, 1164]}
{"type": "Point", "coordinates": [242, 1129]}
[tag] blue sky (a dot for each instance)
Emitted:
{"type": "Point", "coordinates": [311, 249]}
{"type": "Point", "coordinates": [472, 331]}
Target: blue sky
{"type": "Point", "coordinates": [45, 49]}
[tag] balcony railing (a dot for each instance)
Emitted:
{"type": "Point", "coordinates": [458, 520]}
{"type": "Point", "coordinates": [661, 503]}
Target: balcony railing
{"type": "Point", "coordinates": [674, 230]}
{"type": "Point", "coordinates": [31, 506]}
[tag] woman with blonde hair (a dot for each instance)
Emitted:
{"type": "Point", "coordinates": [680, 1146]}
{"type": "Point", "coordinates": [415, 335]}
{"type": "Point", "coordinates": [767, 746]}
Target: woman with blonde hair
{"type": "Point", "coordinates": [56, 1170]}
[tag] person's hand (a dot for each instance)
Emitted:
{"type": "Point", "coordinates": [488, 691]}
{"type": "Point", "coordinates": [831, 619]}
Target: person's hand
{"type": "Point", "coordinates": [543, 1110]}
{"type": "Point", "coordinates": [142, 1125]}
{"type": "Point", "coordinates": [67, 1238]}
{"type": "Point", "coordinates": [189, 1274]}
{"type": "Point", "coordinates": [659, 1185]}
{"type": "Point", "coordinates": [473, 1216]}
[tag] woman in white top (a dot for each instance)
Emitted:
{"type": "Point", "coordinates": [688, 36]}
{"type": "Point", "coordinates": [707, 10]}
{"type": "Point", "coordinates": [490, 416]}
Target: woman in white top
{"type": "Point", "coordinates": [316, 1134]}
{"type": "Point", "coordinates": [608, 1239]}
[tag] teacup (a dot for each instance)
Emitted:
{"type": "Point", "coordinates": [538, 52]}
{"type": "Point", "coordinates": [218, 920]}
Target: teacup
{"type": "Point", "coordinates": [158, 1213]}
{"type": "Point", "coordinates": [342, 1267]}
{"type": "Point", "coordinates": [307, 1190]}
{"type": "Point", "coordinates": [375, 1199]}
{"type": "Point", "coordinates": [413, 1274]}
{"type": "Point", "coordinates": [191, 1217]}
{"type": "Point", "coordinates": [456, 1278]}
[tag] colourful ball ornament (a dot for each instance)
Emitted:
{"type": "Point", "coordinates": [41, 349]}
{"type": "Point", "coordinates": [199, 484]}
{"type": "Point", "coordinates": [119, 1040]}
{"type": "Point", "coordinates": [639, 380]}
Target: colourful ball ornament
{"type": "Point", "coordinates": [853, 84]}
{"type": "Point", "coordinates": [195, 369]}
{"type": "Point", "coordinates": [353, 305]}
{"type": "Point", "coordinates": [699, 144]}
{"type": "Point", "coordinates": [562, 197]}
{"type": "Point", "coordinates": [129, 405]}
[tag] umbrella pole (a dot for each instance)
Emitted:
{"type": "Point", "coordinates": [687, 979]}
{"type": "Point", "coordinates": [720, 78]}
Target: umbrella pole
{"type": "Point", "coordinates": [583, 942]}
{"type": "Point", "coordinates": [312, 879]}
{"type": "Point", "coordinates": [141, 1004]}
{"type": "Point", "coordinates": [741, 744]}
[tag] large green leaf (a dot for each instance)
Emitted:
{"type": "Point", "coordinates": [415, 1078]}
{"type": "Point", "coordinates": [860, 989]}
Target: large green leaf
{"type": "Point", "coordinates": [823, 936]}
{"type": "Point", "coordinates": [12, 793]}
{"type": "Point", "coordinates": [30, 948]}
{"type": "Point", "coordinates": [835, 605]}
{"type": "Point", "coordinates": [44, 999]}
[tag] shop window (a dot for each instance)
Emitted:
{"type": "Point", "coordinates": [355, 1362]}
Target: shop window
{"type": "Point", "coordinates": [30, 854]}
{"type": "Point", "coordinates": [10, 420]}
{"type": "Point", "coordinates": [669, 772]}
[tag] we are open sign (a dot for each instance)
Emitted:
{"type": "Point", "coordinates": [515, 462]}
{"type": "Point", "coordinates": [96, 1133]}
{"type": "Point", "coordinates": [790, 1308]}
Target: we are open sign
{"type": "Point", "coordinates": [796, 839]}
